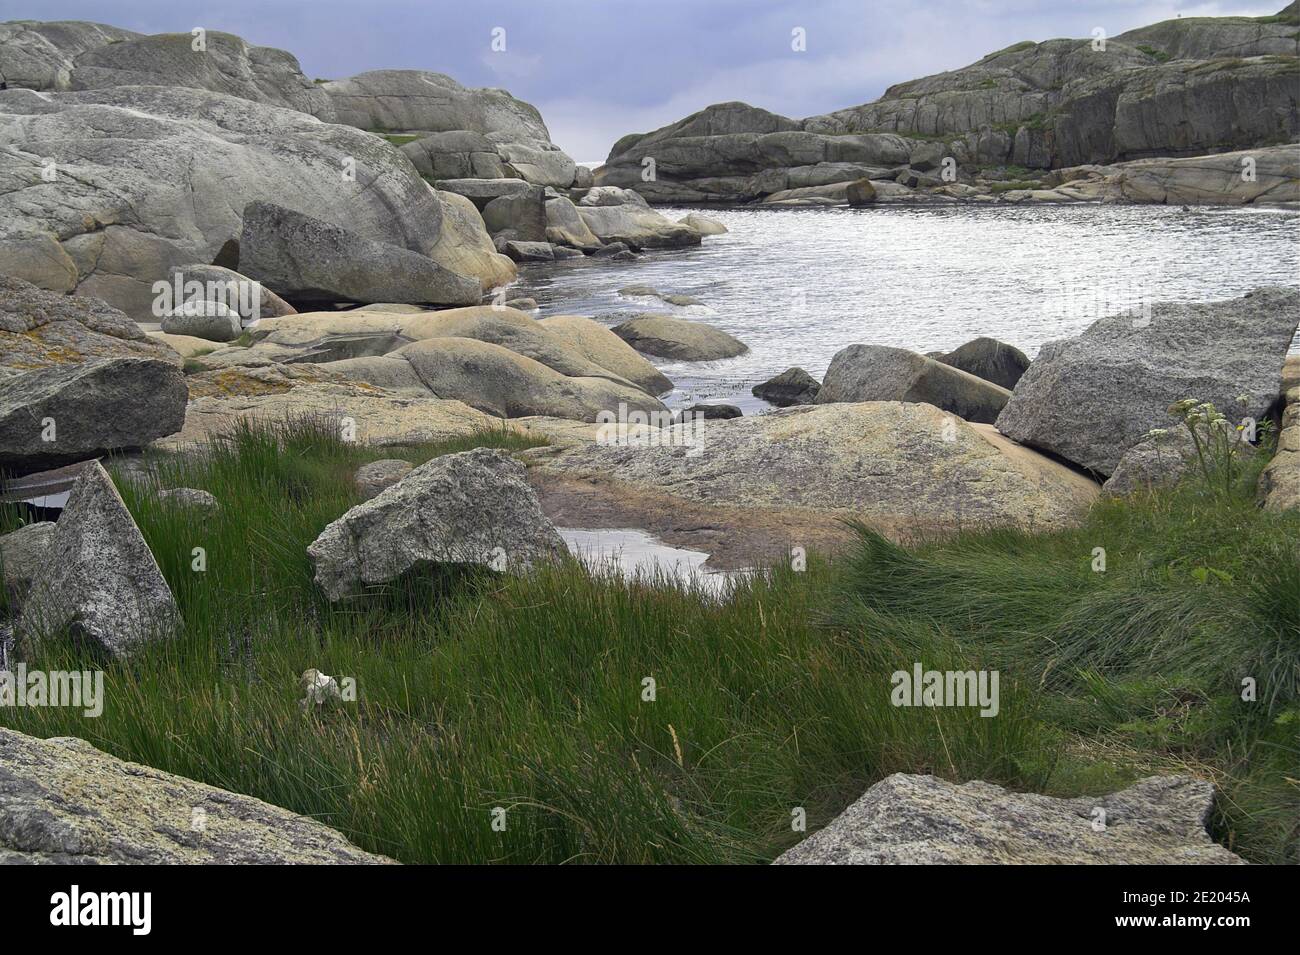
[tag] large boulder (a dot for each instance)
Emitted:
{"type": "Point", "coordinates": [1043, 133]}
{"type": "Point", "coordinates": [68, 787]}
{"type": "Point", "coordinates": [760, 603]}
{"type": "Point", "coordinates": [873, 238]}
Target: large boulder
{"type": "Point", "coordinates": [564, 226]}
{"type": "Point", "coordinates": [307, 259]}
{"type": "Point", "coordinates": [504, 383]}
{"type": "Point", "coordinates": [101, 582]}
{"type": "Point", "coordinates": [881, 373]}
{"type": "Point", "coordinates": [61, 414]}
{"type": "Point", "coordinates": [65, 802]}
{"type": "Point", "coordinates": [471, 508]}
{"type": "Point", "coordinates": [150, 178]}
{"type": "Point", "coordinates": [1279, 484]}
{"type": "Point", "coordinates": [923, 820]}
{"type": "Point", "coordinates": [522, 214]}
{"type": "Point", "coordinates": [794, 386]}
{"type": "Point", "coordinates": [989, 359]}
{"type": "Point", "coordinates": [666, 337]}
{"type": "Point", "coordinates": [1091, 398]}
{"type": "Point", "coordinates": [43, 329]}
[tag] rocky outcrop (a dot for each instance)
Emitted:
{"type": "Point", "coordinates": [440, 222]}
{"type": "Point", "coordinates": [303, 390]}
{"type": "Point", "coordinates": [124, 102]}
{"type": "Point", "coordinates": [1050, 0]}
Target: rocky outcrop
{"type": "Point", "coordinates": [881, 373]}
{"type": "Point", "coordinates": [923, 820]}
{"type": "Point", "coordinates": [1185, 87]}
{"type": "Point", "coordinates": [472, 508]}
{"type": "Point", "coordinates": [465, 247]}
{"type": "Point", "coordinates": [1260, 177]}
{"type": "Point", "coordinates": [225, 64]}
{"type": "Point", "coordinates": [989, 359]}
{"type": "Point", "coordinates": [1091, 398]}
{"type": "Point", "coordinates": [150, 178]}
{"type": "Point", "coordinates": [479, 133]}
{"type": "Point", "coordinates": [42, 56]}
{"type": "Point", "coordinates": [64, 802]}
{"type": "Point", "coordinates": [306, 259]}
{"type": "Point", "coordinates": [679, 339]}
{"type": "Point", "coordinates": [794, 386]}
{"type": "Point", "coordinates": [101, 581]}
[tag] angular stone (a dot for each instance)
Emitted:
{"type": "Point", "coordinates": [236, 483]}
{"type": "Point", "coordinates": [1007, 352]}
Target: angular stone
{"type": "Point", "coordinates": [881, 373]}
{"type": "Point", "coordinates": [989, 359]}
{"type": "Point", "coordinates": [923, 820]}
{"type": "Point", "coordinates": [102, 581]}
{"type": "Point", "coordinates": [87, 409]}
{"type": "Point", "coordinates": [473, 508]}
{"type": "Point", "coordinates": [794, 386]}
{"type": "Point", "coordinates": [24, 556]}
{"type": "Point", "coordinates": [1091, 398]}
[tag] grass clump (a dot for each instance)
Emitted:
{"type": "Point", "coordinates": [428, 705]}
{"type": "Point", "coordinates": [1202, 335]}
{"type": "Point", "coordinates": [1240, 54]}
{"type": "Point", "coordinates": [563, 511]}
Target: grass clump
{"type": "Point", "coordinates": [529, 694]}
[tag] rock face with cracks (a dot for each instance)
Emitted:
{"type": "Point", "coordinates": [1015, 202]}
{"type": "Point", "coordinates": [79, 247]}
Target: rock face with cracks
{"type": "Point", "coordinates": [473, 508]}
{"type": "Point", "coordinates": [923, 820]}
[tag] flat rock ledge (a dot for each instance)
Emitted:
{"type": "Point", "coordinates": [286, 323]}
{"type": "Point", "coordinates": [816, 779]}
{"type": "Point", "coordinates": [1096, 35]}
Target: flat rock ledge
{"type": "Point", "coordinates": [63, 802]}
{"type": "Point", "coordinates": [923, 820]}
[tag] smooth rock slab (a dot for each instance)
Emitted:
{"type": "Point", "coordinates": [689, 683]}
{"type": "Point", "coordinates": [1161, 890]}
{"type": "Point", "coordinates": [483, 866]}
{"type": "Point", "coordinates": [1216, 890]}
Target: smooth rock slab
{"type": "Point", "coordinates": [922, 820]}
{"type": "Point", "coordinates": [881, 373]}
{"type": "Point", "coordinates": [474, 508]}
{"type": "Point", "coordinates": [64, 802]}
{"type": "Point", "coordinates": [308, 259]}
{"type": "Point", "coordinates": [102, 581]}
{"type": "Point", "coordinates": [1091, 398]}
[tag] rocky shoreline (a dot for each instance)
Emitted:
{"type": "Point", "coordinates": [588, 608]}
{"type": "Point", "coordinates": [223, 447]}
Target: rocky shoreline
{"type": "Point", "coordinates": [340, 253]}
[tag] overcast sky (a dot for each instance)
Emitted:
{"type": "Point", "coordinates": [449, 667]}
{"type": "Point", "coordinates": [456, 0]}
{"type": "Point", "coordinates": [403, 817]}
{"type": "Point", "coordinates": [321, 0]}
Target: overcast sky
{"type": "Point", "coordinates": [598, 69]}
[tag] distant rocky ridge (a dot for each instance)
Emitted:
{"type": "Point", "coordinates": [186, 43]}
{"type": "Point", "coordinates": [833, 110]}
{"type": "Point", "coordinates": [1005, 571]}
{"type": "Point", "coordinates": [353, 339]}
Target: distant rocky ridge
{"type": "Point", "coordinates": [1181, 88]}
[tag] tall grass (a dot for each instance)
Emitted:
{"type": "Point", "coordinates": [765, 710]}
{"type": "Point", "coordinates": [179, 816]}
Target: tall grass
{"type": "Point", "coordinates": [528, 694]}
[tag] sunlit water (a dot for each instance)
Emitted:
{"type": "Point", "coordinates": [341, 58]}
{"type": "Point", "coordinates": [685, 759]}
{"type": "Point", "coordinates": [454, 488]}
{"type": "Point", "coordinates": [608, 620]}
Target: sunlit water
{"type": "Point", "coordinates": [635, 555]}
{"type": "Point", "coordinates": [797, 285]}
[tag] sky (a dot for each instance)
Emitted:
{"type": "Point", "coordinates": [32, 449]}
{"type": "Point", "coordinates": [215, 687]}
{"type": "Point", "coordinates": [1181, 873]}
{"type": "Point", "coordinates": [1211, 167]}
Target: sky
{"type": "Point", "coordinates": [599, 69]}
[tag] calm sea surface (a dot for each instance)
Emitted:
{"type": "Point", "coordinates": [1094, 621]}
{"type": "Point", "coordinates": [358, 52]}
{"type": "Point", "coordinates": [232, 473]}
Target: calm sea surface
{"type": "Point", "coordinates": [796, 285]}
